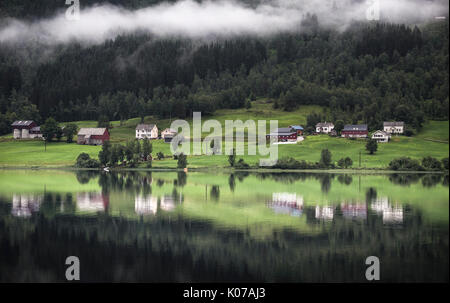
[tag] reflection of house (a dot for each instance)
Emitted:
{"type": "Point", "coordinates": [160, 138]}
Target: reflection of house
{"type": "Point", "coordinates": [381, 136]}
{"type": "Point", "coordinates": [167, 203]}
{"type": "Point", "coordinates": [354, 211]}
{"type": "Point", "coordinates": [25, 129]}
{"type": "Point", "coordinates": [391, 214]}
{"type": "Point", "coordinates": [145, 205]}
{"type": "Point", "coordinates": [287, 203]}
{"type": "Point", "coordinates": [92, 136]}
{"type": "Point", "coordinates": [92, 201]}
{"type": "Point", "coordinates": [324, 212]}
{"type": "Point", "coordinates": [25, 205]}
{"type": "Point", "coordinates": [394, 127]}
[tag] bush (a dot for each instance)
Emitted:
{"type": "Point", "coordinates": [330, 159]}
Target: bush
{"type": "Point", "coordinates": [160, 155]}
{"type": "Point", "coordinates": [291, 163]}
{"type": "Point", "coordinates": [85, 161]}
{"type": "Point", "coordinates": [431, 163]}
{"type": "Point", "coordinates": [372, 146]}
{"type": "Point", "coordinates": [405, 163]}
{"type": "Point", "coordinates": [445, 163]}
{"type": "Point", "coordinates": [182, 161]}
{"type": "Point", "coordinates": [241, 164]}
{"type": "Point", "coordinates": [325, 158]}
{"type": "Point", "coordinates": [408, 133]}
{"type": "Point", "coordinates": [345, 162]}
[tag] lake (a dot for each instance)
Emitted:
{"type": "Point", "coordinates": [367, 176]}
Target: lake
{"type": "Point", "coordinates": [208, 227]}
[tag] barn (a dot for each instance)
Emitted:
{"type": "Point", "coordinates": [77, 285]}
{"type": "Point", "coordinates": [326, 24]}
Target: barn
{"type": "Point", "coordinates": [283, 135]}
{"type": "Point", "coordinates": [355, 131]}
{"type": "Point", "coordinates": [92, 136]}
{"type": "Point", "coordinates": [22, 129]}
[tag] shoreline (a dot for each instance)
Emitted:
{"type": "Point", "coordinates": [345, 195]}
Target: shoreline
{"type": "Point", "coordinates": [363, 171]}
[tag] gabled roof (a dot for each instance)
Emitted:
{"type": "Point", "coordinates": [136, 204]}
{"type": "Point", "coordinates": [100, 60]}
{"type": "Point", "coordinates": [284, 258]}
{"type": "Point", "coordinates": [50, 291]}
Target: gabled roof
{"type": "Point", "coordinates": [147, 127]}
{"type": "Point", "coordinates": [169, 130]}
{"type": "Point", "coordinates": [284, 131]}
{"type": "Point", "coordinates": [22, 123]}
{"type": "Point", "coordinates": [357, 127]}
{"type": "Point", "coordinates": [324, 124]}
{"type": "Point", "coordinates": [394, 123]}
{"type": "Point", "coordinates": [91, 131]}
{"type": "Point", "coordinates": [297, 127]}
{"type": "Point", "coordinates": [381, 132]}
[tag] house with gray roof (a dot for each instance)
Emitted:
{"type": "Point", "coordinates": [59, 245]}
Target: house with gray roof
{"type": "Point", "coordinates": [25, 129]}
{"type": "Point", "coordinates": [146, 131]}
{"type": "Point", "coordinates": [92, 135]}
{"type": "Point", "coordinates": [355, 131]}
{"type": "Point", "coordinates": [394, 127]}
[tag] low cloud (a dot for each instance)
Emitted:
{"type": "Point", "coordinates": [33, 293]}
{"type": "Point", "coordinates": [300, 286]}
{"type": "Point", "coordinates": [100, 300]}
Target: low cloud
{"type": "Point", "coordinates": [191, 19]}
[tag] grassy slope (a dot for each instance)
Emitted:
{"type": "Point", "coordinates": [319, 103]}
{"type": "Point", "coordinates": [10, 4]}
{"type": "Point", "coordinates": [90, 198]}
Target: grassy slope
{"type": "Point", "coordinates": [29, 153]}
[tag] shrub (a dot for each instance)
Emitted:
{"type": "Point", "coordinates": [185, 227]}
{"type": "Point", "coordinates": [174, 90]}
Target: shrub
{"type": "Point", "coordinates": [291, 163]}
{"type": "Point", "coordinates": [160, 155]}
{"type": "Point", "coordinates": [85, 161]}
{"type": "Point", "coordinates": [445, 163]}
{"type": "Point", "coordinates": [408, 133]}
{"type": "Point", "coordinates": [372, 146]}
{"type": "Point", "coordinates": [182, 161]}
{"type": "Point", "coordinates": [325, 158]}
{"type": "Point", "coordinates": [345, 162]}
{"type": "Point", "coordinates": [431, 163]}
{"type": "Point", "coordinates": [241, 164]}
{"type": "Point", "coordinates": [232, 157]}
{"type": "Point", "coordinates": [405, 163]}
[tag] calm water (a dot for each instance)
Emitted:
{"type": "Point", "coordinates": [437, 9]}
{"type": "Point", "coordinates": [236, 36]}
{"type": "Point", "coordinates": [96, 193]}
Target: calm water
{"type": "Point", "coordinates": [160, 226]}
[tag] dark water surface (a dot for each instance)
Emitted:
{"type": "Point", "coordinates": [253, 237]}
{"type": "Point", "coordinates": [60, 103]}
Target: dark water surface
{"type": "Point", "coordinates": [177, 227]}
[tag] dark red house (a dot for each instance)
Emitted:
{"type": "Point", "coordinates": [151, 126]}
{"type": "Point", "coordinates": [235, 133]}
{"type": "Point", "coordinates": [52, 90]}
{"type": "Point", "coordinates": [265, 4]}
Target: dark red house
{"type": "Point", "coordinates": [92, 136]}
{"type": "Point", "coordinates": [283, 135]}
{"type": "Point", "coordinates": [22, 128]}
{"type": "Point", "coordinates": [355, 131]}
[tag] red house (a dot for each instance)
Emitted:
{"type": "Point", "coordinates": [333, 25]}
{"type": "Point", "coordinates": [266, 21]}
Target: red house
{"type": "Point", "coordinates": [22, 128]}
{"type": "Point", "coordinates": [92, 136]}
{"type": "Point", "coordinates": [283, 135]}
{"type": "Point", "coordinates": [355, 131]}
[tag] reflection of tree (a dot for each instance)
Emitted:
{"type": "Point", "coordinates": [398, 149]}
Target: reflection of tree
{"type": "Point", "coordinates": [84, 176]}
{"type": "Point", "coordinates": [159, 182]}
{"type": "Point", "coordinates": [371, 194]}
{"type": "Point", "coordinates": [181, 179]}
{"type": "Point", "coordinates": [431, 180]}
{"type": "Point", "coordinates": [445, 181]}
{"type": "Point", "coordinates": [232, 182]}
{"type": "Point", "coordinates": [404, 179]}
{"type": "Point", "coordinates": [215, 192]}
{"type": "Point", "coordinates": [325, 182]}
{"type": "Point", "coordinates": [345, 179]}
{"type": "Point", "coordinates": [241, 175]}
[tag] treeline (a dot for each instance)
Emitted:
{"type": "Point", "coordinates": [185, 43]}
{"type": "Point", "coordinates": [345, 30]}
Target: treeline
{"type": "Point", "coordinates": [138, 75]}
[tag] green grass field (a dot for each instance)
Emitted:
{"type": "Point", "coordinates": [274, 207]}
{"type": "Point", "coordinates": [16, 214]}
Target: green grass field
{"type": "Point", "coordinates": [431, 141]}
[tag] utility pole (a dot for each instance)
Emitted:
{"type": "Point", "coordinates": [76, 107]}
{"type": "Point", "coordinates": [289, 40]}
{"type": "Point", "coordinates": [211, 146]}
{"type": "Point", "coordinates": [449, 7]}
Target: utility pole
{"type": "Point", "coordinates": [359, 159]}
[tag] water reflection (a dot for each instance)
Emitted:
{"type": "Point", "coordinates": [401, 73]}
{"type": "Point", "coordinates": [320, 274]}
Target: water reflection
{"type": "Point", "coordinates": [23, 205]}
{"type": "Point", "coordinates": [286, 203]}
{"type": "Point", "coordinates": [225, 227]}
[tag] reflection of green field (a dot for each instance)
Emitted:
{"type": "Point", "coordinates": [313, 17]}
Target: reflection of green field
{"type": "Point", "coordinates": [38, 181]}
{"type": "Point", "coordinates": [245, 208]}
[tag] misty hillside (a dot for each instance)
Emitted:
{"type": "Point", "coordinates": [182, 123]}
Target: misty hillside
{"type": "Point", "coordinates": [363, 72]}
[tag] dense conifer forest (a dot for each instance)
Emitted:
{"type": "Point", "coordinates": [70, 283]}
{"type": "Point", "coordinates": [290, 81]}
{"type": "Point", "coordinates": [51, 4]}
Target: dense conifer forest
{"type": "Point", "coordinates": [369, 73]}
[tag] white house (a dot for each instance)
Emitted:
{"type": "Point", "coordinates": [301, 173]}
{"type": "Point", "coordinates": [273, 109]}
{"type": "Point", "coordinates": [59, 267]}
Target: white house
{"type": "Point", "coordinates": [381, 136]}
{"type": "Point", "coordinates": [146, 131]}
{"type": "Point", "coordinates": [394, 127]}
{"type": "Point", "coordinates": [168, 132]}
{"type": "Point", "coordinates": [324, 127]}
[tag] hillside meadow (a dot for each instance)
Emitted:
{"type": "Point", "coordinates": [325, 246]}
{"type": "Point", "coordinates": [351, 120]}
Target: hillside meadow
{"type": "Point", "coordinates": [431, 141]}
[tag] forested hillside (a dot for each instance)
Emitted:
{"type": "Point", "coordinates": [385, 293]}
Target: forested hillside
{"type": "Point", "coordinates": [367, 74]}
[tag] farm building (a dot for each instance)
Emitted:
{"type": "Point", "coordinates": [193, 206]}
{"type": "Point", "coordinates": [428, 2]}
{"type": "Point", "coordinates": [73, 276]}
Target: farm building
{"type": "Point", "coordinates": [324, 127]}
{"type": "Point", "coordinates": [92, 136]}
{"type": "Point", "coordinates": [381, 136]}
{"type": "Point", "coordinates": [298, 129]}
{"type": "Point", "coordinates": [283, 135]}
{"type": "Point", "coordinates": [168, 132]}
{"type": "Point", "coordinates": [394, 127]}
{"type": "Point", "coordinates": [355, 131]}
{"type": "Point", "coordinates": [26, 129]}
{"type": "Point", "coordinates": [146, 131]}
